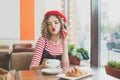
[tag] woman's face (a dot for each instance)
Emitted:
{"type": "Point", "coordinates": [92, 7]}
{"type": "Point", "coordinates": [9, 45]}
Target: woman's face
{"type": "Point", "coordinates": [53, 25]}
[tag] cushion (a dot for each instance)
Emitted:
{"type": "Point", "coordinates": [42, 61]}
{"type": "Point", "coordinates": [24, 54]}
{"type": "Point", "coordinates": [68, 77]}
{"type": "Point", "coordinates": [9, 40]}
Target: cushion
{"type": "Point", "coordinates": [23, 47]}
{"type": "Point", "coordinates": [23, 50]}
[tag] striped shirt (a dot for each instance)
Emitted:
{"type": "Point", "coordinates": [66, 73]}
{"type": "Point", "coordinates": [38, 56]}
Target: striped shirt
{"type": "Point", "coordinates": [51, 47]}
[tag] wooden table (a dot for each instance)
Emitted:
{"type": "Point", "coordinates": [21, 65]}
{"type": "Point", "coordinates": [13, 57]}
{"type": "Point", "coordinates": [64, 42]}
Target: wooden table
{"type": "Point", "coordinates": [34, 75]}
{"type": "Point", "coordinates": [99, 74]}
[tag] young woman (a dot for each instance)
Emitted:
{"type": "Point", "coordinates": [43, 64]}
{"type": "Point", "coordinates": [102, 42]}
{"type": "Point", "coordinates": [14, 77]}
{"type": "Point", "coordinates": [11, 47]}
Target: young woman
{"type": "Point", "coordinates": [53, 42]}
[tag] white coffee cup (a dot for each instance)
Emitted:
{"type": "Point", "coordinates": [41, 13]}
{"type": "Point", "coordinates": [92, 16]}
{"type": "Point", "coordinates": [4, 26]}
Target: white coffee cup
{"type": "Point", "coordinates": [52, 63]}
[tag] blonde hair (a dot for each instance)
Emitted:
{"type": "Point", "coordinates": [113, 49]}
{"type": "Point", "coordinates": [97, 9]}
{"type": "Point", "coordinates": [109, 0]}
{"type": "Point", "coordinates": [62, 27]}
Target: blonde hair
{"type": "Point", "coordinates": [44, 30]}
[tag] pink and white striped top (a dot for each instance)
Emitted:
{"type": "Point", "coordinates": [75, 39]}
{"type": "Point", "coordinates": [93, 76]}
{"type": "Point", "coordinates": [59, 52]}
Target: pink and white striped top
{"type": "Point", "coordinates": [51, 47]}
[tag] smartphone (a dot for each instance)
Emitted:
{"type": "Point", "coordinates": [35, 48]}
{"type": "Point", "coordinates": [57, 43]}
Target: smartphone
{"type": "Point", "coordinates": [63, 32]}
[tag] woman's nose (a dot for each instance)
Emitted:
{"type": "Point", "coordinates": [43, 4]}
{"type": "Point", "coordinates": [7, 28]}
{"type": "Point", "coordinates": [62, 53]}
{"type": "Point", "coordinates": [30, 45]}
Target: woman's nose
{"type": "Point", "coordinates": [53, 25]}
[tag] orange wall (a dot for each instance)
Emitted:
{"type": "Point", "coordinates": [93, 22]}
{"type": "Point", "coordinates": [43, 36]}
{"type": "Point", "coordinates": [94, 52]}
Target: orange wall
{"type": "Point", "coordinates": [26, 19]}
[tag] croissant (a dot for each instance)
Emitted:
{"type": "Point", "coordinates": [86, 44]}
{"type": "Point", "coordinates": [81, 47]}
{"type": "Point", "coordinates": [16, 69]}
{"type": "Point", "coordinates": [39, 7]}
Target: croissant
{"type": "Point", "coordinates": [3, 74]}
{"type": "Point", "coordinates": [3, 71]}
{"type": "Point", "coordinates": [74, 72]}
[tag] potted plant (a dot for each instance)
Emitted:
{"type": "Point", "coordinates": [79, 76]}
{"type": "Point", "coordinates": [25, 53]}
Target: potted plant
{"type": "Point", "coordinates": [72, 58]}
{"type": "Point", "coordinates": [77, 54]}
{"type": "Point", "coordinates": [113, 68]}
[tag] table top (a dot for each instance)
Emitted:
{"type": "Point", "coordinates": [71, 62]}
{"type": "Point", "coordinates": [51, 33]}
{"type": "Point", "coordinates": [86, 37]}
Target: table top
{"type": "Point", "coordinates": [35, 75]}
{"type": "Point", "coordinates": [99, 74]}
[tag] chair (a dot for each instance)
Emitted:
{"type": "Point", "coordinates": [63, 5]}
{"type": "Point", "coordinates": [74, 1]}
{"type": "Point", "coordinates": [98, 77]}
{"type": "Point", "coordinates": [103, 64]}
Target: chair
{"type": "Point", "coordinates": [21, 56]}
{"type": "Point", "coordinates": [4, 56]}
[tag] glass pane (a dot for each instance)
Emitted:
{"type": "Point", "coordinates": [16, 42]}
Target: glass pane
{"type": "Point", "coordinates": [79, 23]}
{"type": "Point", "coordinates": [110, 30]}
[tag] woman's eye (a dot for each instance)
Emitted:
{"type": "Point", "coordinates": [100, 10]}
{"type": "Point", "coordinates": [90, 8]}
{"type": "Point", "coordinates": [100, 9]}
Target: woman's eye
{"type": "Point", "coordinates": [48, 24]}
{"type": "Point", "coordinates": [56, 22]}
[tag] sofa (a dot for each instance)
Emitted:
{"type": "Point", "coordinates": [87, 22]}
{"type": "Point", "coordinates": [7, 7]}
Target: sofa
{"type": "Point", "coordinates": [4, 56]}
{"type": "Point", "coordinates": [21, 56]}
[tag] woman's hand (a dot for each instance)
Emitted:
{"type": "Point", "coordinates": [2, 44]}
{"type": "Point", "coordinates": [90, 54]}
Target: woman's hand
{"type": "Point", "coordinates": [64, 35]}
{"type": "Point", "coordinates": [39, 66]}
{"type": "Point", "coordinates": [43, 63]}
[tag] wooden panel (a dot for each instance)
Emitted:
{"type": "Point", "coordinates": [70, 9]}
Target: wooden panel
{"type": "Point", "coordinates": [30, 75]}
{"type": "Point", "coordinates": [26, 19]}
{"type": "Point", "coordinates": [95, 33]}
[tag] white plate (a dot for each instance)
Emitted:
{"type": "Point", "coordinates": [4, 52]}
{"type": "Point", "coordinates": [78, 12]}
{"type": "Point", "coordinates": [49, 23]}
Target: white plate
{"type": "Point", "coordinates": [73, 78]}
{"type": "Point", "coordinates": [87, 70]}
{"type": "Point", "coordinates": [52, 70]}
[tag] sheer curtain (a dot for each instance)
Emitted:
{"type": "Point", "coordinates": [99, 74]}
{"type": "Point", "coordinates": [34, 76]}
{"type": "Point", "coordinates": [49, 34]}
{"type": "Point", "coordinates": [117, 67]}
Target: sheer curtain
{"type": "Point", "coordinates": [79, 22]}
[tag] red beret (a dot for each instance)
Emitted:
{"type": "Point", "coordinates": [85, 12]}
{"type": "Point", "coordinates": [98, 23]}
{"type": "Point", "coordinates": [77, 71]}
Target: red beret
{"type": "Point", "coordinates": [56, 13]}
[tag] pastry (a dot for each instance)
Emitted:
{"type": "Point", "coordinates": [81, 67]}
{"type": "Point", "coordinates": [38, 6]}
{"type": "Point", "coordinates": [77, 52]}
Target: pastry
{"type": "Point", "coordinates": [3, 71]}
{"type": "Point", "coordinates": [74, 72]}
{"type": "Point", "coordinates": [3, 74]}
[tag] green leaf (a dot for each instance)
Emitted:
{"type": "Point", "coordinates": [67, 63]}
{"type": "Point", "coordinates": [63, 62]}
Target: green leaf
{"type": "Point", "coordinates": [118, 65]}
{"type": "Point", "coordinates": [70, 48]}
{"type": "Point", "coordinates": [83, 52]}
{"type": "Point", "coordinates": [112, 63]}
{"type": "Point", "coordinates": [79, 56]}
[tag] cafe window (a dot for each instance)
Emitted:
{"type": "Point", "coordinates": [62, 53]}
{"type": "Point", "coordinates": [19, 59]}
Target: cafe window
{"type": "Point", "coordinates": [78, 14]}
{"type": "Point", "coordinates": [110, 31]}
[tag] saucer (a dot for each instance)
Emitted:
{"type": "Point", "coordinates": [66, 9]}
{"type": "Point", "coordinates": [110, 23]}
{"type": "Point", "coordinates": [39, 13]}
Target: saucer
{"type": "Point", "coordinates": [52, 70]}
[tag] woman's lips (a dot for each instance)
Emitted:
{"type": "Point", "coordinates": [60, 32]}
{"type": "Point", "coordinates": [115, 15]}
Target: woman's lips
{"type": "Point", "coordinates": [53, 29]}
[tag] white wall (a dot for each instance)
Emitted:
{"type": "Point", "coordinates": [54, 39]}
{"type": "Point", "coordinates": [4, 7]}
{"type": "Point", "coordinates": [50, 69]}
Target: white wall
{"type": "Point", "coordinates": [41, 6]}
{"type": "Point", "coordinates": [52, 4]}
{"type": "Point", "coordinates": [9, 18]}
